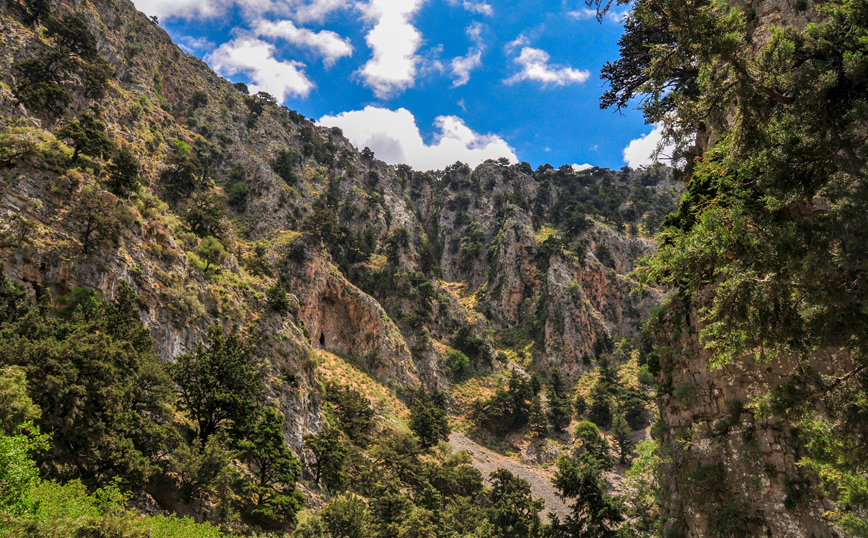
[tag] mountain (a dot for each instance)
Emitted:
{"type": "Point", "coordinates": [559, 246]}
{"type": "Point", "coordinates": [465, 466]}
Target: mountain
{"type": "Point", "coordinates": [240, 227]}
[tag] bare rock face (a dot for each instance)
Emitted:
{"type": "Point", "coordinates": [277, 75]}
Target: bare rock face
{"type": "Point", "coordinates": [729, 469]}
{"type": "Point", "coordinates": [343, 319]}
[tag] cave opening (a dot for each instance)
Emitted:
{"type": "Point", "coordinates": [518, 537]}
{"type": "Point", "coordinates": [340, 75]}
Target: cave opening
{"type": "Point", "coordinates": [321, 339]}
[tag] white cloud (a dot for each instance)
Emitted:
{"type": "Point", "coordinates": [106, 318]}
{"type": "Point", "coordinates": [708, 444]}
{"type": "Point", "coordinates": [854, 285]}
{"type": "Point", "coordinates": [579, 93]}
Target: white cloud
{"type": "Point", "coordinates": [615, 16]}
{"type": "Point", "coordinates": [480, 8]}
{"type": "Point", "coordinates": [519, 41]}
{"type": "Point", "coordinates": [255, 58]}
{"type": "Point", "coordinates": [463, 65]}
{"type": "Point", "coordinates": [394, 42]}
{"type": "Point", "coordinates": [639, 151]}
{"type": "Point", "coordinates": [580, 167]}
{"type": "Point", "coordinates": [534, 66]}
{"type": "Point", "coordinates": [190, 44]}
{"type": "Point", "coordinates": [301, 11]}
{"type": "Point", "coordinates": [205, 9]}
{"type": "Point", "coordinates": [395, 138]}
{"type": "Point", "coordinates": [582, 14]}
{"type": "Point", "coordinates": [329, 44]}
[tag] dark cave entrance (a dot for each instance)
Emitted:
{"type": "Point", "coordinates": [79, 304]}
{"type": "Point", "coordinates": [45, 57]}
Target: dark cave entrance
{"type": "Point", "coordinates": [321, 339]}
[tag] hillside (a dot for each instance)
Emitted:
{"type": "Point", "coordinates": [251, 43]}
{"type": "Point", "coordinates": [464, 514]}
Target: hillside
{"type": "Point", "coordinates": [151, 203]}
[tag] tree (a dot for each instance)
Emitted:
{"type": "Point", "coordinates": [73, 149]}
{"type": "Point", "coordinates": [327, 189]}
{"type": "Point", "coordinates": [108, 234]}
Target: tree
{"type": "Point", "coordinates": [354, 413]}
{"type": "Point", "coordinates": [217, 383]}
{"type": "Point", "coordinates": [589, 441]}
{"type": "Point", "coordinates": [512, 510]}
{"type": "Point", "coordinates": [96, 219]}
{"type": "Point", "coordinates": [768, 244]}
{"type": "Point", "coordinates": [16, 407]}
{"type": "Point", "coordinates": [211, 250]}
{"type": "Point", "coordinates": [198, 100]}
{"type": "Point", "coordinates": [198, 468]}
{"type": "Point", "coordinates": [284, 165]}
{"type": "Point", "coordinates": [329, 456]}
{"type": "Point", "coordinates": [124, 173]}
{"type": "Point", "coordinates": [105, 400]}
{"type": "Point", "coordinates": [622, 436]}
{"type": "Point", "coordinates": [346, 516]}
{"type": "Point", "coordinates": [559, 411]}
{"type": "Point", "coordinates": [429, 419]}
{"type": "Point", "coordinates": [271, 494]}
{"type": "Point", "coordinates": [206, 214]}
{"type": "Point", "coordinates": [594, 514]}
{"type": "Point", "coordinates": [88, 136]}
{"type": "Point", "coordinates": [184, 173]}
{"type": "Point", "coordinates": [277, 298]}
{"type": "Point", "coordinates": [538, 423]}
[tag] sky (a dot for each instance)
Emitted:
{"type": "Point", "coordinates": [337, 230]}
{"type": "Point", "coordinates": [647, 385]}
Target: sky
{"type": "Point", "coordinates": [428, 82]}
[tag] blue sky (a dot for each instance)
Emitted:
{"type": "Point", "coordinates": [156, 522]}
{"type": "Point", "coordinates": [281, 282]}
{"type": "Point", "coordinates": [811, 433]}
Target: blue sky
{"type": "Point", "coordinates": [427, 82]}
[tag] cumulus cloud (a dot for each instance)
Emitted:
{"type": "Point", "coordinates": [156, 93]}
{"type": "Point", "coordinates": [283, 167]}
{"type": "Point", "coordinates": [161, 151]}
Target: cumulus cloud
{"type": "Point", "coordinates": [166, 9]}
{"type": "Point", "coordinates": [535, 66]}
{"type": "Point", "coordinates": [394, 42]}
{"type": "Point", "coordinates": [616, 16]}
{"type": "Point", "coordinates": [639, 151]}
{"type": "Point", "coordinates": [255, 58]}
{"type": "Point", "coordinates": [395, 138]}
{"type": "Point", "coordinates": [330, 45]}
{"type": "Point", "coordinates": [580, 167]}
{"type": "Point", "coordinates": [301, 11]}
{"type": "Point", "coordinates": [463, 65]}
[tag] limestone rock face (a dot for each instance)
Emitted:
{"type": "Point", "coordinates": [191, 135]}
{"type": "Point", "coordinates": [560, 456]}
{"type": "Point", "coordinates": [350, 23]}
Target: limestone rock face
{"type": "Point", "coordinates": [726, 464]}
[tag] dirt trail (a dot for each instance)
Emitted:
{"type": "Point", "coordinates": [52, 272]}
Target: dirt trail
{"type": "Point", "coordinates": [488, 461]}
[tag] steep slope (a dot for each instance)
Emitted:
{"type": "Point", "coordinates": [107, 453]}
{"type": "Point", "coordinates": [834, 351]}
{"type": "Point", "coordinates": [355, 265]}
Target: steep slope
{"type": "Point", "coordinates": [244, 204]}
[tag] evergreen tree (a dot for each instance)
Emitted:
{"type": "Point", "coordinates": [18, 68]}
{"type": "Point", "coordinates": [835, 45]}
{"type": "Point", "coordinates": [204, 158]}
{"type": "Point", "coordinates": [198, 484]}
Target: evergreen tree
{"type": "Point", "coordinates": [88, 136]}
{"type": "Point", "coordinates": [329, 456]}
{"type": "Point", "coordinates": [538, 424]}
{"type": "Point", "coordinates": [271, 495]}
{"type": "Point", "coordinates": [428, 418]}
{"type": "Point", "coordinates": [124, 173]}
{"type": "Point", "coordinates": [622, 436]}
{"type": "Point", "coordinates": [512, 510]}
{"type": "Point", "coordinates": [217, 383]}
{"type": "Point", "coordinates": [559, 411]}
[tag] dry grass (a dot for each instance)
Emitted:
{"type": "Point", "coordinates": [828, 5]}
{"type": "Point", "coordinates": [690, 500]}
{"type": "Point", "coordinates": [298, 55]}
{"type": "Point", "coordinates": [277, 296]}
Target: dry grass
{"type": "Point", "coordinates": [335, 369]}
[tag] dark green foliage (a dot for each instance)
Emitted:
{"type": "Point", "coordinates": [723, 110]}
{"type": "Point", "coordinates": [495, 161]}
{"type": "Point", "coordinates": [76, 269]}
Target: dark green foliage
{"type": "Point", "coordinates": [270, 495]}
{"type": "Point", "coordinates": [622, 435]}
{"type": "Point", "coordinates": [429, 419]}
{"type": "Point", "coordinates": [354, 413]}
{"type": "Point", "coordinates": [559, 411]}
{"type": "Point", "coordinates": [604, 255]}
{"type": "Point", "coordinates": [198, 100]}
{"type": "Point", "coordinates": [590, 442]}
{"type": "Point", "coordinates": [600, 410]}
{"type": "Point", "coordinates": [199, 467]}
{"type": "Point", "coordinates": [217, 383]}
{"type": "Point", "coordinates": [206, 214]}
{"type": "Point", "coordinates": [537, 421]}
{"type": "Point", "coordinates": [73, 58]}
{"type": "Point", "coordinates": [633, 406]}
{"type": "Point", "coordinates": [277, 298]}
{"type": "Point", "coordinates": [105, 399]}
{"type": "Point", "coordinates": [329, 455]}
{"type": "Point", "coordinates": [507, 409]}
{"type": "Point", "coordinates": [88, 136]}
{"type": "Point", "coordinates": [237, 193]}
{"type": "Point", "coordinates": [284, 165]}
{"type": "Point", "coordinates": [594, 514]}
{"type": "Point", "coordinates": [184, 175]}
{"type": "Point", "coordinates": [37, 11]}
{"type": "Point", "coordinates": [124, 173]}
{"type": "Point", "coordinates": [96, 219]}
{"type": "Point", "coordinates": [513, 512]}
